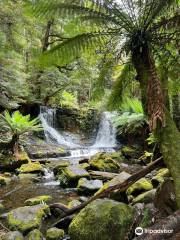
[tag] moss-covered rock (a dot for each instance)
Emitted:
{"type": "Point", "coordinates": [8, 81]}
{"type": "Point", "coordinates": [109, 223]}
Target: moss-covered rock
{"type": "Point", "coordinates": [31, 168]}
{"type": "Point", "coordinates": [30, 176]}
{"type": "Point", "coordinates": [61, 165]}
{"type": "Point", "coordinates": [140, 186]}
{"type": "Point", "coordinates": [86, 186]}
{"type": "Point", "coordinates": [102, 220]}
{"type": "Point", "coordinates": [69, 176]}
{"type": "Point", "coordinates": [4, 180]}
{"type": "Point", "coordinates": [84, 166]}
{"type": "Point", "coordinates": [146, 197]}
{"type": "Point", "coordinates": [54, 234]}
{"type": "Point", "coordinates": [104, 162]}
{"type": "Point", "coordinates": [74, 203]}
{"type": "Point", "coordinates": [116, 180]}
{"type": "Point", "coordinates": [13, 236]}
{"type": "Point", "coordinates": [129, 152]}
{"type": "Point", "coordinates": [37, 200]}
{"type": "Point", "coordinates": [35, 235]}
{"type": "Point", "coordinates": [27, 218]}
{"type": "Point", "coordinates": [160, 176]}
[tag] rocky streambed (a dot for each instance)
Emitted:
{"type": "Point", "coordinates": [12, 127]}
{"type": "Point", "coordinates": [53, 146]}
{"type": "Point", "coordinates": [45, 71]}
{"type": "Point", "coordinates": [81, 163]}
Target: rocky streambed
{"type": "Point", "coordinates": [29, 189]}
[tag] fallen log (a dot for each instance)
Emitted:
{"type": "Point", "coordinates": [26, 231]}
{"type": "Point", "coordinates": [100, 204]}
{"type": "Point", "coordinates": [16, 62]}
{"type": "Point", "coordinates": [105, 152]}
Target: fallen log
{"type": "Point", "coordinates": [102, 175]}
{"type": "Point", "coordinates": [121, 187]}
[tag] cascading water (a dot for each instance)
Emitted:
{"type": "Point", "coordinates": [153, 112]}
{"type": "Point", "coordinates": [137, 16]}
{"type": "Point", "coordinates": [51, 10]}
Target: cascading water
{"type": "Point", "coordinates": [105, 140]}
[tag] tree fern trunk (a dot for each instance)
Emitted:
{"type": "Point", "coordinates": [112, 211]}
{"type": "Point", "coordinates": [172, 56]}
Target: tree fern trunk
{"type": "Point", "coordinates": [152, 93]}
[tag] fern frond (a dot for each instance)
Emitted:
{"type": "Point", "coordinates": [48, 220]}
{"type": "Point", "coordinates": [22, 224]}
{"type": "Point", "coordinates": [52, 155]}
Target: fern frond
{"type": "Point", "coordinates": [72, 48]}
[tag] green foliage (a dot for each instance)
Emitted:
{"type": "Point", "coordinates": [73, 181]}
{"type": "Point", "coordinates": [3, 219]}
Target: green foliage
{"type": "Point", "coordinates": [18, 124]}
{"type": "Point", "coordinates": [131, 117]}
{"type": "Point", "coordinates": [68, 100]}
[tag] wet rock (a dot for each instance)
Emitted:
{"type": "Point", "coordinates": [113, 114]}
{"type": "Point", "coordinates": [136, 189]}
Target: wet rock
{"type": "Point", "coordinates": [13, 236]}
{"type": "Point", "coordinates": [60, 165]}
{"type": "Point", "coordinates": [31, 176]}
{"type": "Point", "coordinates": [140, 186]}
{"type": "Point", "coordinates": [130, 168]}
{"type": "Point", "coordinates": [146, 197]}
{"type": "Point", "coordinates": [160, 176]}
{"type": "Point", "coordinates": [85, 166]}
{"type": "Point", "coordinates": [165, 200]}
{"type": "Point", "coordinates": [86, 186]}
{"type": "Point", "coordinates": [54, 234]}
{"type": "Point", "coordinates": [117, 180]}
{"type": "Point", "coordinates": [74, 203]}
{"type": "Point", "coordinates": [103, 220]}
{"type": "Point", "coordinates": [35, 235]}
{"type": "Point", "coordinates": [38, 200]}
{"type": "Point", "coordinates": [27, 218]}
{"type": "Point", "coordinates": [31, 168]}
{"type": "Point", "coordinates": [4, 180]}
{"type": "Point", "coordinates": [9, 162]}
{"type": "Point", "coordinates": [70, 175]}
{"type": "Point", "coordinates": [105, 162]}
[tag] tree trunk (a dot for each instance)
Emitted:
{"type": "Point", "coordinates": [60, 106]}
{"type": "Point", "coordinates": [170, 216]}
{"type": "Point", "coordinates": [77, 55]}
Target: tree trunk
{"type": "Point", "coordinates": [176, 109]}
{"type": "Point", "coordinates": [168, 134]}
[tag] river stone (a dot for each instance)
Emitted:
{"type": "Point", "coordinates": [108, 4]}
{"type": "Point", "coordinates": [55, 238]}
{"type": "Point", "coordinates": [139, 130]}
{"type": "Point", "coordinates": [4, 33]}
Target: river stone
{"type": "Point", "coordinates": [13, 236]}
{"type": "Point", "coordinates": [146, 197]}
{"type": "Point", "coordinates": [31, 168]}
{"type": "Point", "coordinates": [104, 162]}
{"type": "Point", "coordinates": [4, 180]}
{"type": "Point", "coordinates": [54, 234]}
{"type": "Point", "coordinates": [88, 186]}
{"type": "Point", "coordinates": [140, 186]}
{"type": "Point", "coordinates": [123, 176]}
{"type": "Point", "coordinates": [103, 219]}
{"type": "Point", "coordinates": [27, 218]}
{"type": "Point", "coordinates": [37, 200]}
{"type": "Point", "coordinates": [70, 175]}
{"type": "Point", "coordinates": [160, 176]}
{"type": "Point", "coordinates": [74, 203]}
{"type": "Point", "coordinates": [35, 235]}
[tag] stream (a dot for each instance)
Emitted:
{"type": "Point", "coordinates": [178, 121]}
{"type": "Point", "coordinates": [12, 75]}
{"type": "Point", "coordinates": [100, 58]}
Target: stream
{"type": "Point", "coordinates": [14, 194]}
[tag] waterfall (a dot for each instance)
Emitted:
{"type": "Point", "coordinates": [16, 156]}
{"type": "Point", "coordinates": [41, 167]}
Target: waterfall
{"type": "Point", "coordinates": [47, 117]}
{"type": "Point", "coordinates": [106, 136]}
{"type": "Point", "coordinates": [105, 140]}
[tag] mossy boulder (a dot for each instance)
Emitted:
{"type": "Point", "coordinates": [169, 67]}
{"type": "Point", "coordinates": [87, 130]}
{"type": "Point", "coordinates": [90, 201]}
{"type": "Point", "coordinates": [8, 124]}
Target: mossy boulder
{"type": "Point", "coordinates": [35, 235]}
{"type": "Point", "coordinates": [30, 176]}
{"type": "Point", "coordinates": [139, 187]}
{"type": "Point", "coordinates": [160, 176]}
{"type": "Point", "coordinates": [116, 180]}
{"type": "Point", "coordinates": [103, 219]}
{"type": "Point", "coordinates": [54, 234]}
{"type": "Point", "coordinates": [87, 187]}
{"type": "Point", "coordinates": [61, 165]}
{"type": "Point", "coordinates": [74, 203]}
{"type": "Point", "coordinates": [31, 167]}
{"type": "Point", "coordinates": [104, 162]}
{"type": "Point", "coordinates": [37, 200]}
{"type": "Point", "coordinates": [129, 152]}
{"type": "Point", "coordinates": [69, 176]}
{"type": "Point", "coordinates": [25, 219]}
{"type": "Point", "coordinates": [15, 235]}
{"type": "Point", "coordinates": [4, 180]}
{"type": "Point", "coordinates": [146, 197]}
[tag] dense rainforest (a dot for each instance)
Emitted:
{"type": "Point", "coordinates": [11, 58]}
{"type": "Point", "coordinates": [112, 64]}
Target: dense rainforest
{"type": "Point", "coordinates": [89, 119]}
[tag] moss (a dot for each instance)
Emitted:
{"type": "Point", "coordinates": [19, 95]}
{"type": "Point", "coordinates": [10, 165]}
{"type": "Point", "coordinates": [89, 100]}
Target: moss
{"type": "Point", "coordinates": [84, 166]}
{"type": "Point", "coordinates": [2, 208]}
{"type": "Point", "coordinates": [61, 150]}
{"type": "Point", "coordinates": [25, 219]}
{"type": "Point", "coordinates": [140, 186]}
{"type": "Point", "coordinates": [104, 162]}
{"type": "Point", "coordinates": [129, 152]}
{"type": "Point", "coordinates": [160, 176]}
{"type": "Point", "coordinates": [37, 200]}
{"type": "Point", "coordinates": [31, 168]}
{"type": "Point", "coordinates": [54, 234]}
{"type": "Point", "coordinates": [146, 220]}
{"type": "Point", "coordinates": [73, 203]}
{"type": "Point", "coordinates": [102, 220]}
{"type": "Point", "coordinates": [146, 197]}
{"type": "Point", "coordinates": [4, 180]}
{"type": "Point", "coordinates": [35, 235]}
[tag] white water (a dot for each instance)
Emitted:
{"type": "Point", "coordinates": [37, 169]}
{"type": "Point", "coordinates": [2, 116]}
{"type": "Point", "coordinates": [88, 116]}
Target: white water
{"type": "Point", "coordinates": [105, 140]}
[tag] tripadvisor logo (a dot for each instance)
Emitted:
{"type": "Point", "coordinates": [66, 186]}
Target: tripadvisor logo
{"type": "Point", "coordinates": [139, 231]}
